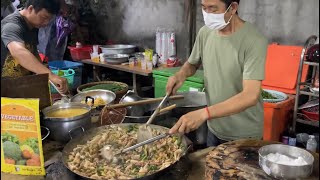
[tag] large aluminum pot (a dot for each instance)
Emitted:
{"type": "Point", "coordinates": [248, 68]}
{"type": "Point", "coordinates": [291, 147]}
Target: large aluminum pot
{"type": "Point", "coordinates": [281, 171]}
{"type": "Point", "coordinates": [64, 129]}
{"type": "Point", "coordinates": [118, 49]}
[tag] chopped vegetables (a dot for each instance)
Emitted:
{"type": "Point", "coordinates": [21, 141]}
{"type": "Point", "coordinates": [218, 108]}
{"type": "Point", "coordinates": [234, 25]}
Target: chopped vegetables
{"type": "Point", "coordinates": [267, 95]}
{"type": "Point", "coordinates": [110, 87]}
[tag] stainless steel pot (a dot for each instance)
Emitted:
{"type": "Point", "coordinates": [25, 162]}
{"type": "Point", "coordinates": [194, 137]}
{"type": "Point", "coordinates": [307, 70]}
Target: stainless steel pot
{"type": "Point", "coordinates": [118, 49]}
{"type": "Point", "coordinates": [64, 129]}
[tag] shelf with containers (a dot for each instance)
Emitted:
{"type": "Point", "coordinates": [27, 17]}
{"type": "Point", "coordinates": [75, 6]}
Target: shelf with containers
{"type": "Point", "coordinates": [304, 87]}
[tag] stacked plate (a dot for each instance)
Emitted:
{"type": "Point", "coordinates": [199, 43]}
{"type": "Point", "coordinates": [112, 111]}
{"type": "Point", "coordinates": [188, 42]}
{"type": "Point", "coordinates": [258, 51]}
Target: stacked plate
{"type": "Point", "coordinates": [116, 54]}
{"type": "Point", "coordinates": [115, 58]}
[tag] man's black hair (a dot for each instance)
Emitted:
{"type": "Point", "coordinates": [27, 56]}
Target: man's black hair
{"type": "Point", "coordinates": [52, 6]}
{"type": "Point", "coordinates": [228, 2]}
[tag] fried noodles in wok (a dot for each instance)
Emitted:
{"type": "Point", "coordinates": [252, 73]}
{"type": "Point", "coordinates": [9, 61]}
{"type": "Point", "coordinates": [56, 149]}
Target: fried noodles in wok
{"type": "Point", "coordinates": [86, 159]}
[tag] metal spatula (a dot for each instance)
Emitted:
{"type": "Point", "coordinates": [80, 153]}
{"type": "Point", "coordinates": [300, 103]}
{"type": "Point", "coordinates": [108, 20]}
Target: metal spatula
{"type": "Point", "coordinates": [143, 132]}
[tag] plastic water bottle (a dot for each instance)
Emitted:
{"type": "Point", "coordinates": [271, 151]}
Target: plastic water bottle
{"type": "Point", "coordinates": [172, 44]}
{"type": "Point", "coordinates": [164, 48]}
{"type": "Point", "coordinates": [292, 138]}
{"type": "Point", "coordinates": [312, 143]}
{"type": "Point", "coordinates": [168, 43]}
{"type": "Point", "coordinates": [158, 41]}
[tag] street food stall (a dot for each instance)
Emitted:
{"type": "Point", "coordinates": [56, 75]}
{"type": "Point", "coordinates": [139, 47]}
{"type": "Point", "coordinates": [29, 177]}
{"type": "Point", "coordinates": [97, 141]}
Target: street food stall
{"type": "Point", "coordinates": [140, 91]}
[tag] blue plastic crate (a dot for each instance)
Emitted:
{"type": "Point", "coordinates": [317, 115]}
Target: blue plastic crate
{"type": "Point", "coordinates": [68, 74]}
{"type": "Point", "coordinates": [64, 65]}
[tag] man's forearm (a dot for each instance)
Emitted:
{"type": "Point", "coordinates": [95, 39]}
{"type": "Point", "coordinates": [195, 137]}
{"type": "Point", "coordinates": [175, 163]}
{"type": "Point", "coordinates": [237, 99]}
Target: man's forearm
{"type": "Point", "coordinates": [233, 105]}
{"type": "Point", "coordinates": [27, 60]}
{"type": "Point", "coordinates": [187, 70]}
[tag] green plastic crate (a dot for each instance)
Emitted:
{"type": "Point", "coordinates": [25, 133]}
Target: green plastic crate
{"type": "Point", "coordinates": [161, 77]}
{"type": "Point", "coordinates": [68, 74]}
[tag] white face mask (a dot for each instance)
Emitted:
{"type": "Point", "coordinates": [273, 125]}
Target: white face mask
{"type": "Point", "coordinates": [215, 21]}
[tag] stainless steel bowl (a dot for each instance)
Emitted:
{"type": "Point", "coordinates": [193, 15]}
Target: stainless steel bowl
{"type": "Point", "coordinates": [285, 171]}
{"type": "Point", "coordinates": [116, 58]}
{"type": "Point", "coordinates": [107, 96]}
{"type": "Point", "coordinates": [118, 49]}
{"type": "Point", "coordinates": [137, 110]}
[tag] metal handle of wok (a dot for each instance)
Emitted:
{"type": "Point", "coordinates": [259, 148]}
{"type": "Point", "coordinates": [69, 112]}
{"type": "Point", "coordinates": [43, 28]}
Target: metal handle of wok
{"type": "Point", "coordinates": [70, 131]}
{"type": "Point", "coordinates": [145, 142]}
{"type": "Point", "coordinates": [155, 113]}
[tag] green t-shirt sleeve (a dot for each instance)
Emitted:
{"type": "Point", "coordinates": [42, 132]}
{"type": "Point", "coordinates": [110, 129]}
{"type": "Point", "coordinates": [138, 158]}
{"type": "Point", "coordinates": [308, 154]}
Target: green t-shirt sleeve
{"type": "Point", "coordinates": [196, 54]}
{"type": "Point", "coordinates": [255, 58]}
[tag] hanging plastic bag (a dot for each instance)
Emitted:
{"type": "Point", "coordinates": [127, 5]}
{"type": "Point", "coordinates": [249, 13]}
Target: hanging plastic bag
{"type": "Point", "coordinates": [63, 28]}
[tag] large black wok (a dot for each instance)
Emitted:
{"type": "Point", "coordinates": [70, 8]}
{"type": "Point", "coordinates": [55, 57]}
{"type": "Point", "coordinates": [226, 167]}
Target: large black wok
{"type": "Point", "coordinates": [80, 140]}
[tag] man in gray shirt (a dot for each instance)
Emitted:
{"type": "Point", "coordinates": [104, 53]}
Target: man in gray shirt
{"type": "Point", "coordinates": [19, 39]}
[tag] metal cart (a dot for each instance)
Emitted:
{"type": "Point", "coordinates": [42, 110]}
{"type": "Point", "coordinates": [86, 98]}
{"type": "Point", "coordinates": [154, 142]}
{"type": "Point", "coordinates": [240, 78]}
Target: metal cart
{"type": "Point", "coordinates": [303, 87]}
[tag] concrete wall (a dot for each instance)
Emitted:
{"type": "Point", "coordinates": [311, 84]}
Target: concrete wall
{"type": "Point", "coordinates": [136, 21]}
{"type": "Point", "coordinates": [284, 21]}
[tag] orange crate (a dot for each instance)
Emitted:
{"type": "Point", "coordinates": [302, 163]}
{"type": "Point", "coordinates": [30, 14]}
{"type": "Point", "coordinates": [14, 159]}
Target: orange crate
{"type": "Point", "coordinates": [276, 118]}
{"type": "Point", "coordinates": [282, 65]}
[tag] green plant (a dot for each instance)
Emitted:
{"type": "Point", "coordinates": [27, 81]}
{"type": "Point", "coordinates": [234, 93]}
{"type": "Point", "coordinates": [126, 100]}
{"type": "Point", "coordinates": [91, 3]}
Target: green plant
{"type": "Point", "coordinates": [12, 150]}
{"type": "Point", "coordinates": [9, 137]}
{"type": "Point", "coordinates": [266, 95]}
{"type": "Point", "coordinates": [33, 143]}
{"type": "Point", "coordinates": [110, 87]}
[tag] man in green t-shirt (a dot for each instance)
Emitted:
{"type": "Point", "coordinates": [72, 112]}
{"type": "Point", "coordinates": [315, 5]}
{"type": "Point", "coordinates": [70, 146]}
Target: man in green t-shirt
{"type": "Point", "coordinates": [233, 55]}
